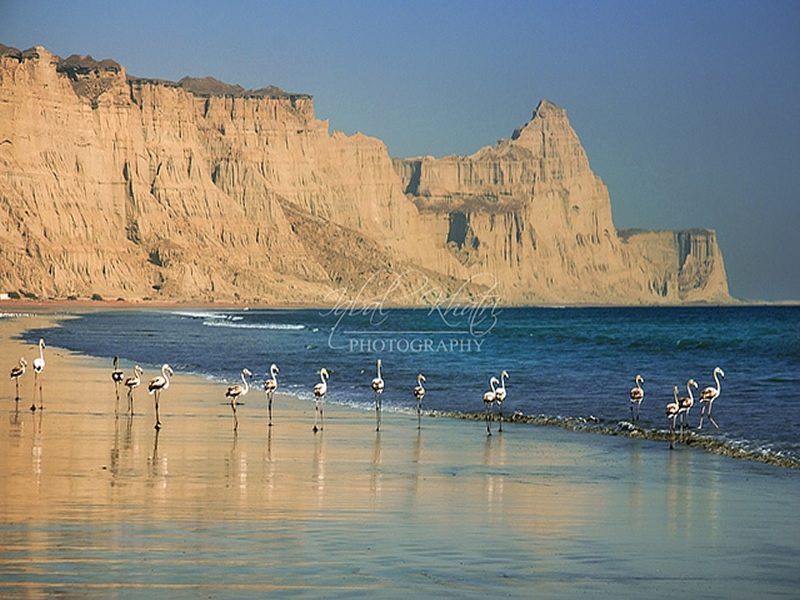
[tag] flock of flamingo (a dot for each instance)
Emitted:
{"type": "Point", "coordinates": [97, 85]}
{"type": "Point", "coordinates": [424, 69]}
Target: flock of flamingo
{"type": "Point", "coordinates": [678, 409]}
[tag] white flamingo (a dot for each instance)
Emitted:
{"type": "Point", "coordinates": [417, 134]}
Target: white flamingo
{"type": "Point", "coordinates": [673, 409]}
{"type": "Point", "coordinates": [419, 394]}
{"type": "Point", "coordinates": [377, 388]}
{"type": "Point", "coordinates": [319, 398]}
{"type": "Point", "coordinates": [488, 402]}
{"type": "Point", "coordinates": [270, 385]}
{"type": "Point", "coordinates": [131, 383]}
{"type": "Point", "coordinates": [18, 371]}
{"type": "Point", "coordinates": [500, 395]}
{"type": "Point", "coordinates": [637, 395]}
{"type": "Point", "coordinates": [157, 385]}
{"type": "Point", "coordinates": [38, 367]}
{"type": "Point", "coordinates": [707, 397]}
{"type": "Point", "coordinates": [235, 391]}
{"type": "Point", "coordinates": [686, 403]}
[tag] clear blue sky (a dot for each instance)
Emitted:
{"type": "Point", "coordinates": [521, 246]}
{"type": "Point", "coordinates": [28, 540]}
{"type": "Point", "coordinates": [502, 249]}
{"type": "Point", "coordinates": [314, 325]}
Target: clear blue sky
{"type": "Point", "coordinates": [688, 110]}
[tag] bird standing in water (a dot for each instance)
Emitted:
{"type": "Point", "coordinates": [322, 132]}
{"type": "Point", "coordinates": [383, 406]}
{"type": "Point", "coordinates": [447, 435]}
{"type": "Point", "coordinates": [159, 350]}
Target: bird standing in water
{"type": "Point", "coordinates": [131, 383]}
{"type": "Point", "coordinates": [38, 367]}
{"type": "Point", "coordinates": [707, 397]}
{"type": "Point", "coordinates": [637, 395]}
{"type": "Point", "coordinates": [377, 388]}
{"type": "Point", "coordinates": [270, 385]}
{"type": "Point", "coordinates": [500, 395]}
{"type": "Point", "coordinates": [319, 398]}
{"type": "Point", "coordinates": [156, 386]}
{"type": "Point", "coordinates": [235, 391]}
{"type": "Point", "coordinates": [419, 394]}
{"type": "Point", "coordinates": [673, 409]}
{"type": "Point", "coordinates": [488, 402]}
{"type": "Point", "coordinates": [18, 371]}
{"type": "Point", "coordinates": [686, 404]}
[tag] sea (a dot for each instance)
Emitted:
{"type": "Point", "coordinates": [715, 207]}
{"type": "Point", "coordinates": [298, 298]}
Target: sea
{"type": "Point", "coordinates": [567, 367]}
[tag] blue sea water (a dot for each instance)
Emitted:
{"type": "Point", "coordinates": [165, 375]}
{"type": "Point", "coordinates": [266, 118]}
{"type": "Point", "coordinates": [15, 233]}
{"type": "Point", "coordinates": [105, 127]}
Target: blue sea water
{"type": "Point", "coordinates": [570, 367]}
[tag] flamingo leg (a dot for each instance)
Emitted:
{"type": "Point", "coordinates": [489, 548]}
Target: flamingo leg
{"type": "Point", "coordinates": [235, 417]}
{"type": "Point", "coordinates": [500, 412]}
{"type": "Point", "coordinates": [318, 415]}
{"type": "Point", "coordinates": [672, 435]}
{"type": "Point", "coordinates": [269, 404]}
{"type": "Point", "coordinates": [419, 415]}
{"type": "Point", "coordinates": [378, 411]}
{"type": "Point", "coordinates": [17, 380]}
{"type": "Point", "coordinates": [488, 414]}
{"type": "Point", "coordinates": [709, 415]}
{"type": "Point", "coordinates": [158, 418]}
{"type": "Point", "coordinates": [35, 384]}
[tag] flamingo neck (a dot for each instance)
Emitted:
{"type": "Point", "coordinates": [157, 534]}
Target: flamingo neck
{"type": "Point", "coordinates": [716, 380]}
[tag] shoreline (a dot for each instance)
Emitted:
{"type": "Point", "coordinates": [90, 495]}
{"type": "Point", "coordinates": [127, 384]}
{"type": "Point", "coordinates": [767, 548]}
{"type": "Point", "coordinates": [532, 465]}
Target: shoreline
{"type": "Point", "coordinates": [622, 428]}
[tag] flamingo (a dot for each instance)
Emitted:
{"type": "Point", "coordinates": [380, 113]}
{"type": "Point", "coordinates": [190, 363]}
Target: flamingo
{"type": "Point", "coordinates": [377, 388]}
{"type": "Point", "coordinates": [419, 394]}
{"type": "Point", "coordinates": [38, 367]}
{"type": "Point", "coordinates": [18, 371]}
{"type": "Point", "coordinates": [500, 395]}
{"type": "Point", "coordinates": [319, 394]}
{"type": "Point", "coordinates": [673, 409]}
{"type": "Point", "coordinates": [708, 395]}
{"type": "Point", "coordinates": [157, 385]}
{"type": "Point", "coordinates": [488, 401]}
{"type": "Point", "coordinates": [686, 403]}
{"type": "Point", "coordinates": [270, 385]}
{"type": "Point", "coordinates": [117, 374]}
{"type": "Point", "coordinates": [234, 391]}
{"type": "Point", "coordinates": [116, 377]}
{"type": "Point", "coordinates": [131, 383]}
{"type": "Point", "coordinates": [637, 395]}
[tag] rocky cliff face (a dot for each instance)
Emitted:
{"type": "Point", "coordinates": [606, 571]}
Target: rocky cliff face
{"type": "Point", "coordinates": [198, 190]}
{"type": "Point", "coordinates": [531, 211]}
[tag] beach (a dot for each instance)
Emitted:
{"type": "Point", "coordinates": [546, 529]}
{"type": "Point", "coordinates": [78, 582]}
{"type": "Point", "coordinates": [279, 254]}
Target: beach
{"type": "Point", "coordinates": [98, 503]}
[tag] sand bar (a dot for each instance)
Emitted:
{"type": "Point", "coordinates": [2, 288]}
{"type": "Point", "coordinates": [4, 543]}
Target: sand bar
{"type": "Point", "coordinates": [98, 504]}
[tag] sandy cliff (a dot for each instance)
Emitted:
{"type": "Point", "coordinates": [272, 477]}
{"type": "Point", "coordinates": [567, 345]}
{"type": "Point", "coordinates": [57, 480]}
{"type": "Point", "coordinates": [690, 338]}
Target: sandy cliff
{"type": "Point", "coordinates": [531, 211]}
{"type": "Point", "coordinates": [198, 190]}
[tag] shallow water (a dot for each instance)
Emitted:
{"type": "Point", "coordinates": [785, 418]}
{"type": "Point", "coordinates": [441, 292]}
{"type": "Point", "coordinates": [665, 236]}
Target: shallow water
{"type": "Point", "coordinates": [102, 505]}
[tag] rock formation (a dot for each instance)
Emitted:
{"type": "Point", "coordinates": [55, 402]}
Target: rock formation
{"type": "Point", "coordinates": [133, 188]}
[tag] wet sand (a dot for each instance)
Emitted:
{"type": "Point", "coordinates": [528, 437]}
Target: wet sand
{"type": "Point", "coordinates": [94, 504]}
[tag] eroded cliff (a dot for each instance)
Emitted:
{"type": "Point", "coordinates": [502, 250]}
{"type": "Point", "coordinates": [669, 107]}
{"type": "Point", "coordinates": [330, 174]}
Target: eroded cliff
{"type": "Point", "coordinates": [198, 190]}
